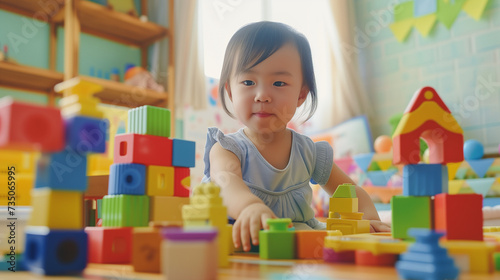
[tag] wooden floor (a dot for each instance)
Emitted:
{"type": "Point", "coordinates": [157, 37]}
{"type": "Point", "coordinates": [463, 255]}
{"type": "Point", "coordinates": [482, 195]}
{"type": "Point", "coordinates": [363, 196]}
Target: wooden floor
{"type": "Point", "coordinates": [249, 268]}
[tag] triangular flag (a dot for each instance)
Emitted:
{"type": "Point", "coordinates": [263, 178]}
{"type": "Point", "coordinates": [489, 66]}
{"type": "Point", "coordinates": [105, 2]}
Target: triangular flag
{"type": "Point", "coordinates": [448, 12]}
{"type": "Point", "coordinates": [475, 8]}
{"type": "Point", "coordinates": [186, 182]}
{"type": "Point", "coordinates": [384, 164]}
{"type": "Point", "coordinates": [454, 186]}
{"type": "Point", "coordinates": [362, 178]}
{"type": "Point", "coordinates": [480, 166]}
{"type": "Point", "coordinates": [344, 163]}
{"type": "Point", "coordinates": [452, 169]}
{"type": "Point", "coordinates": [380, 178]}
{"type": "Point", "coordinates": [363, 160]}
{"type": "Point", "coordinates": [460, 173]}
{"type": "Point", "coordinates": [481, 186]}
{"type": "Point", "coordinates": [401, 29]}
{"type": "Point", "coordinates": [425, 24]}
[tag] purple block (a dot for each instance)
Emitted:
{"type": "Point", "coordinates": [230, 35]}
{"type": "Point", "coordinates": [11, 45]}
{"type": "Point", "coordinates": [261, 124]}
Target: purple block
{"type": "Point", "coordinates": [329, 255]}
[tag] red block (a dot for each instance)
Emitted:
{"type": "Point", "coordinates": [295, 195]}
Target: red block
{"type": "Point", "coordinates": [109, 245]}
{"type": "Point", "coordinates": [30, 127]}
{"type": "Point", "coordinates": [368, 259]}
{"type": "Point", "coordinates": [143, 149]}
{"type": "Point", "coordinates": [181, 181]}
{"type": "Point", "coordinates": [459, 215]}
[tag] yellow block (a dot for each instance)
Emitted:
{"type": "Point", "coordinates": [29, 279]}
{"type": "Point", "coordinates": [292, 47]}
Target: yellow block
{"type": "Point", "coordinates": [347, 226]}
{"type": "Point", "coordinates": [24, 162]}
{"type": "Point", "coordinates": [56, 209]}
{"type": "Point", "coordinates": [384, 164]}
{"type": "Point", "coordinates": [160, 181]}
{"type": "Point", "coordinates": [82, 109]}
{"type": "Point", "coordinates": [454, 186]}
{"type": "Point", "coordinates": [21, 189]}
{"type": "Point", "coordinates": [376, 243]}
{"type": "Point", "coordinates": [98, 164]}
{"type": "Point", "coordinates": [77, 86]}
{"type": "Point", "coordinates": [166, 208]}
{"type": "Point", "coordinates": [343, 205]}
{"type": "Point", "coordinates": [479, 253]}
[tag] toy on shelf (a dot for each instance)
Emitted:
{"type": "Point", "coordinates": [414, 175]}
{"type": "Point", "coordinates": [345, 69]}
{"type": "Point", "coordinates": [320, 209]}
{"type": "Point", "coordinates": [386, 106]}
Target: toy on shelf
{"type": "Point", "coordinates": [140, 77]}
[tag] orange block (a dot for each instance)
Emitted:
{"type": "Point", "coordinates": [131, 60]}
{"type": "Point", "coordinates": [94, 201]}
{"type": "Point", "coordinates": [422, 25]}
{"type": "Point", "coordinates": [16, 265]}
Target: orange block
{"type": "Point", "coordinates": [166, 208]}
{"type": "Point", "coordinates": [309, 244]}
{"type": "Point", "coordinates": [367, 258]}
{"type": "Point", "coordinates": [146, 250]}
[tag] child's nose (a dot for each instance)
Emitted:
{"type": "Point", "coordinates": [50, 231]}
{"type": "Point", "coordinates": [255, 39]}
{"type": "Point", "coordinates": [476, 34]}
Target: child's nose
{"type": "Point", "coordinates": [262, 95]}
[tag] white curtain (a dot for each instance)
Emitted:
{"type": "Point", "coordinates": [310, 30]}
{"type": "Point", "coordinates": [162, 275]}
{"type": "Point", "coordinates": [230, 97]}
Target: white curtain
{"type": "Point", "coordinates": [189, 70]}
{"type": "Point", "coordinates": [348, 97]}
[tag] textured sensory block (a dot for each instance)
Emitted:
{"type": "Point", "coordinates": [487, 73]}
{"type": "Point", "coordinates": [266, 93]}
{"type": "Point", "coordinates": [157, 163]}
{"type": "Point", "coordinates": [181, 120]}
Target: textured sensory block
{"type": "Point", "coordinates": [56, 209]}
{"type": "Point", "coordinates": [146, 246]}
{"type": "Point", "coordinates": [125, 210]}
{"type": "Point", "coordinates": [109, 245]}
{"type": "Point", "coordinates": [159, 180]}
{"type": "Point", "coordinates": [86, 134]}
{"type": "Point", "coordinates": [425, 179]}
{"type": "Point", "coordinates": [55, 252]}
{"type": "Point", "coordinates": [66, 170]}
{"type": "Point", "coordinates": [127, 178]}
{"type": "Point", "coordinates": [309, 244]}
{"type": "Point", "coordinates": [277, 242]}
{"type": "Point", "coordinates": [149, 120]}
{"type": "Point", "coordinates": [143, 149]}
{"type": "Point", "coordinates": [30, 127]}
{"type": "Point", "coordinates": [459, 215]}
{"type": "Point", "coordinates": [182, 181]}
{"type": "Point", "coordinates": [410, 212]}
{"type": "Point", "coordinates": [183, 153]}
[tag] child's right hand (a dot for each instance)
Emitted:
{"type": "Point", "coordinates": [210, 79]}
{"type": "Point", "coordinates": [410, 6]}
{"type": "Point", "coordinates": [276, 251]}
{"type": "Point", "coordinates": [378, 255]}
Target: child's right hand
{"type": "Point", "coordinates": [250, 221]}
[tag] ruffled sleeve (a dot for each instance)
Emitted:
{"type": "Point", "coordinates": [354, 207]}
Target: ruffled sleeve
{"type": "Point", "coordinates": [324, 162]}
{"type": "Point", "coordinates": [214, 135]}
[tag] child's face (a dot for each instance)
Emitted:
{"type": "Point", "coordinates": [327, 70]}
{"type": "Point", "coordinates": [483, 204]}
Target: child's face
{"type": "Point", "coordinates": [266, 96]}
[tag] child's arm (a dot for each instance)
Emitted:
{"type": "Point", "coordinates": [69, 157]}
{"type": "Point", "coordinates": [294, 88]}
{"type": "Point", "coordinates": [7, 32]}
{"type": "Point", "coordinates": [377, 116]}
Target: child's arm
{"type": "Point", "coordinates": [338, 177]}
{"type": "Point", "coordinates": [248, 210]}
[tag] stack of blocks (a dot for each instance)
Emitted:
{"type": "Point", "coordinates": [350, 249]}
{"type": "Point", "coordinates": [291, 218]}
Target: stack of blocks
{"type": "Point", "coordinates": [425, 202]}
{"type": "Point", "coordinates": [55, 241]}
{"type": "Point", "coordinates": [148, 184]}
{"type": "Point", "coordinates": [344, 215]}
{"type": "Point", "coordinates": [206, 210]}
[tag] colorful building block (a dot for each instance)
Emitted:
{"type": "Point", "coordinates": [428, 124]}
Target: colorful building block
{"type": "Point", "coordinates": [77, 86]}
{"type": "Point", "coordinates": [30, 127]}
{"type": "Point", "coordinates": [109, 245]}
{"type": "Point", "coordinates": [166, 208]}
{"type": "Point", "coordinates": [478, 254]}
{"type": "Point", "coordinates": [309, 244]}
{"type": "Point", "coordinates": [160, 180]}
{"type": "Point", "coordinates": [459, 215]}
{"type": "Point", "coordinates": [332, 256]}
{"type": "Point", "coordinates": [367, 258]}
{"type": "Point", "coordinates": [97, 186]}
{"type": "Point", "coordinates": [410, 212]}
{"type": "Point", "coordinates": [182, 181]}
{"type": "Point", "coordinates": [183, 153]}
{"type": "Point", "coordinates": [66, 170]}
{"type": "Point", "coordinates": [425, 259]}
{"type": "Point", "coordinates": [181, 250]}
{"type": "Point", "coordinates": [149, 120]}
{"type": "Point", "coordinates": [345, 191]}
{"type": "Point", "coordinates": [77, 105]}
{"type": "Point", "coordinates": [278, 242]}
{"type": "Point", "coordinates": [350, 225]}
{"type": "Point", "coordinates": [23, 184]}
{"type": "Point", "coordinates": [86, 134]}
{"type": "Point", "coordinates": [343, 205]}
{"type": "Point", "coordinates": [376, 243]}
{"type": "Point", "coordinates": [125, 210]}
{"type": "Point", "coordinates": [127, 178]}
{"type": "Point", "coordinates": [143, 149]}
{"type": "Point", "coordinates": [56, 209]}
{"type": "Point", "coordinates": [55, 252]}
{"type": "Point", "coordinates": [146, 249]}
{"type": "Point", "coordinates": [427, 117]}
{"type": "Point", "coordinates": [425, 179]}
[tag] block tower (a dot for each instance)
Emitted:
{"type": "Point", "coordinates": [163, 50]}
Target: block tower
{"type": "Point", "coordinates": [148, 182]}
{"type": "Point", "coordinates": [56, 243]}
{"type": "Point", "coordinates": [344, 215]}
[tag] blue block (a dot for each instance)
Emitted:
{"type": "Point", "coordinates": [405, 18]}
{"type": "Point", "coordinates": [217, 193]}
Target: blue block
{"type": "Point", "coordinates": [55, 252]}
{"type": "Point", "coordinates": [86, 134]}
{"type": "Point", "coordinates": [425, 179]}
{"type": "Point", "coordinates": [183, 153]}
{"type": "Point", "coordinates": [66, 170]}
{"type": "Point", "coordinates": [127, 178]}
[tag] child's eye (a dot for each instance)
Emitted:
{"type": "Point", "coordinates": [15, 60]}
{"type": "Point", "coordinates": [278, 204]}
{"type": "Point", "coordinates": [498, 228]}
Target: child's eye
{"type": "Point", "coordinates": [279, 84]}
{"type": "Point", "coordinates": [248, 83]}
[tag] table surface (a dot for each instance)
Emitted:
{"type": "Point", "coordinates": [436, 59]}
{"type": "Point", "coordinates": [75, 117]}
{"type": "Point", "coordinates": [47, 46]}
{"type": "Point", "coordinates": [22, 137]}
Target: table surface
{"type": "Point", "coordinates": [249, 267]}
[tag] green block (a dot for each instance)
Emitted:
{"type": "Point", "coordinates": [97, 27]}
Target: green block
{"type": "Point", "coordinates": [277, 244]}
{"type": "Point", "coordinates": [149, 120]}
{"type": "Point", "coordinates": [345, 191]}
{"type": "Point", "coordinates": [125, 210]}
{"type": "Point", "coordinates": [410, 212]}
{"type": "Point", "coordinates": [496, 260]}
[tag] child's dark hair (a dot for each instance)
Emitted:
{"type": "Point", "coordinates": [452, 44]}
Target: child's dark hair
{"type": "Point", "coordinates": [254, 43]}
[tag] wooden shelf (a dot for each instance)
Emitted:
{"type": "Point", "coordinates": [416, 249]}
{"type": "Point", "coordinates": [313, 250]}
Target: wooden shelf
{"type": "Point", "coordinates": [28, 78]}
{"type": "Point", "coordinates": [41, 10]}
{"type": "Point", "coordinates": [124, 95]}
